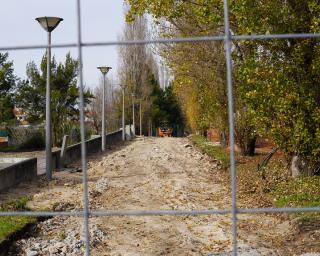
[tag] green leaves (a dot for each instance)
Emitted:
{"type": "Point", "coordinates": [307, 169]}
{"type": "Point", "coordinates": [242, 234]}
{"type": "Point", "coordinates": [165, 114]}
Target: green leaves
{"type": "Point", "coordinates": [7, 86]}
{"type": "Point", "coordinates": [64, 94]}
{"type": "Point", "coordinates": [276, 82]}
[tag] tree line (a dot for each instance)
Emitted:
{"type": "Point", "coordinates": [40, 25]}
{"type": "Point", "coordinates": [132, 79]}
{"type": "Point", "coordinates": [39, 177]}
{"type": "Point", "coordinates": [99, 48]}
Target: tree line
{"type": "Point", "coordinates": [138, 74]}
{"type": "Point", "coordinates": [140, 77]}
{"type": "Point", "coordinates": [276, 82]}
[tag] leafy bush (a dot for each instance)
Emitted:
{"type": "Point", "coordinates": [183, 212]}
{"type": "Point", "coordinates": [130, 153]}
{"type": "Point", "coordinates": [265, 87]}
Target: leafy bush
{"type": "Point", "coordinates": [74, 133]}
{"type": "Point", "coordinates": [31, 137]}
{"type": "Point", "coordinates": [36, 141]}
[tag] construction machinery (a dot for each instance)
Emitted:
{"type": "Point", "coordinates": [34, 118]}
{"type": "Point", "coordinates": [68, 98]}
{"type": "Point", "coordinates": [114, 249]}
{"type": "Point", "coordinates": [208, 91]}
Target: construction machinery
{"type": "Point", "coordinates": [164, 130]}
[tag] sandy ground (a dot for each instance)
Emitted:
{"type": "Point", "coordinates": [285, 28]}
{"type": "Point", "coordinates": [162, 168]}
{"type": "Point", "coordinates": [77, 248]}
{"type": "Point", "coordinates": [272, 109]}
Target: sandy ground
{"type": "Point", "coordinates": [152, 174]}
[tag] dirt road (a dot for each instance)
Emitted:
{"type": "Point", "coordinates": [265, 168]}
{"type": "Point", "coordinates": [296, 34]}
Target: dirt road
{"type": "Point", "coordinates": [146, 174]}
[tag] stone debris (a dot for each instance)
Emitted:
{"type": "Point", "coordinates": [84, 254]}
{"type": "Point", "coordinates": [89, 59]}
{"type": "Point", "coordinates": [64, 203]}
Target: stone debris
{"type": "Point", "coordinates": [161, 174]}
{"type": "Point", "coordinates": [69, 240]}
{"type": "Point", "coordinates": [63, 206]}
{"type": "Point", "coordinates": [101, 185]}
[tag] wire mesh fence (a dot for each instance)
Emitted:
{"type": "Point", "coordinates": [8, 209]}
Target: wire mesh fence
{"type": "Point", "coordinates": [227, 38]}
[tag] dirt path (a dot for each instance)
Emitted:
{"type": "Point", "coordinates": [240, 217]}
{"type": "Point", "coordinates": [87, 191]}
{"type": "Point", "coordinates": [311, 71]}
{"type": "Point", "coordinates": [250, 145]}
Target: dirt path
{"type": "Point", "coordinates": [147, 174]}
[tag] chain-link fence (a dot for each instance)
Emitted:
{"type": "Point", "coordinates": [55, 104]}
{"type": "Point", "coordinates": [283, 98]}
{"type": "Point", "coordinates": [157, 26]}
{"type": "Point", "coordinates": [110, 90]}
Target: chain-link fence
{"type": "Point", "coordinates": [86, 213]}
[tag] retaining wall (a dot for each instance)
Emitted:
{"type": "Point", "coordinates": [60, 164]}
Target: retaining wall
{"type": "Point", "coordinates": [16, 170]}
{"type": "Point", "coordinates": [73, 152]}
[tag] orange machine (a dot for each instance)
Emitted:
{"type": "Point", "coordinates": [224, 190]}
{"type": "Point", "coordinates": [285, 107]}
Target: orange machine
{"type": "Point", "coordinates": [165, 132]}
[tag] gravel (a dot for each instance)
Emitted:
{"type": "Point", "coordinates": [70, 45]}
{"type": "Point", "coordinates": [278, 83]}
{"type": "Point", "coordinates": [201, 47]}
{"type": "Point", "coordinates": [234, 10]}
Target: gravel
{"type": "Point", "coordinates": [68, 242]}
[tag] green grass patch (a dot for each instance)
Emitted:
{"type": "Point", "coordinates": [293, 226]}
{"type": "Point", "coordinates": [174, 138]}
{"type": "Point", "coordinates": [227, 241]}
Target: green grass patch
{"type": "Point", "coordinates": [216, 152]}
{"type": "Point", "coordinates": [10, 149]}
{"type": "Point", "coordinates": [10, 225]}
{"type": "Point", "coordinates": [298, 192]}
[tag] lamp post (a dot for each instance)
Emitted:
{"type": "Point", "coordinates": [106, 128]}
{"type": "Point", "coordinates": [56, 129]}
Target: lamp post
{"type": "Point", "coordinates": [104, 71]}
{"type": "Point", "coordinates": [48, 24]}
{"type": "Point", "coordinates": [123, 125]}
{"type": "Point", "coordinates": [133, 121]}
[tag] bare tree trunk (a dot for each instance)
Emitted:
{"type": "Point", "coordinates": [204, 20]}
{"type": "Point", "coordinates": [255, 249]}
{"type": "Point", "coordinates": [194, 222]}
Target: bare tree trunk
{"type": "Point", "coordinates": [248, 146]}
{"type": "Point", "coordinates": [301, 167]}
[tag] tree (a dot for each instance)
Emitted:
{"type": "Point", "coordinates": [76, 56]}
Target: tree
{"type": "Point", "coordinates": [198, 69]}
{"type": "Point", "coordinates": [7, 86]}
{"type": "Point", "coordinates": [137, 69]}
{"type": "Point", "coordinates": [165, 108]}
{"type": "Point", "coordinates": [113, 119]}
{"type": "Point", "coordinates": [276, 81]}
{"type": "Point", "coordinates": [64, 95]}
{"type": "Point", "coordinates": [281, 77]}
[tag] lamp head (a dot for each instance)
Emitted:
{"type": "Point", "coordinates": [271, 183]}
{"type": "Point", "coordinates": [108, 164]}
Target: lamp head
{"type": "Point", "coordinates": [49, 23]}
{"type": "Point", "coordinates": [104, 70]}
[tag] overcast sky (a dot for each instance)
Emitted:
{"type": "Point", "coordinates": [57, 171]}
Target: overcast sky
{"type": "Point", "coordinates": [102, 20]}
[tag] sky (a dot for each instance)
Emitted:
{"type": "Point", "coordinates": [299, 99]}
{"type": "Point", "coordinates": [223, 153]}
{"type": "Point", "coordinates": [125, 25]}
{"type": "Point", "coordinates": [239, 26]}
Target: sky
{"type": "Point", "coordinates": [102, 20]}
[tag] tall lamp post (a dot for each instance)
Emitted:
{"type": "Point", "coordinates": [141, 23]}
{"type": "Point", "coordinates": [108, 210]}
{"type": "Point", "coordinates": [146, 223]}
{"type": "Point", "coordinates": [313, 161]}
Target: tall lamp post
{"type": "Point", "coordinates": [123, 125]}
{"type": "Point", "coordinates": [104, 71]}
{"type": "Point", "coordinates": [48, 24]}
{"type": "Point", "coordinates": [133, 121]}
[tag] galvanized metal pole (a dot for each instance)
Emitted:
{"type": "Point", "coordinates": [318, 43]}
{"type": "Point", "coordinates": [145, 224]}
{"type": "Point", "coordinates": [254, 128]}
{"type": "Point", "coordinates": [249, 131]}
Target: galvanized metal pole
{"type": "Point", "coordinates": [233, 173]}
{"type": "Point", "coordinates": [133, 121]}
{"type": "Point", "coordinates": [103, 132]}
{"type": "Point", "coordinates": [86, 206]}
{"type": "Point", "coordinates": [123, 124]}
{"type": "Point", "coordinates": [140, 119]}
{"type": "Point", "coordinates": [48, 114]}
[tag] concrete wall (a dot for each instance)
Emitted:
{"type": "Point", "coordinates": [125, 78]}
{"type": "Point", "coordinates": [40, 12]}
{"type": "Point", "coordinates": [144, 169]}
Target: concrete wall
{"type": "Point", "coordinates": [16, 170]}
{"type": "Point", "coordinates": [73, 152]}
{"type": "Point", "coordinates": [129, 134]}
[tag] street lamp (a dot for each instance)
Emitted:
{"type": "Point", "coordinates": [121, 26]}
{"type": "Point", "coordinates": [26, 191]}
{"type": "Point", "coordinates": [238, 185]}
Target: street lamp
{"type": "Point", "coordinates": [48, 24]}
{"type": "Point", "coordinates": [123, 125]}
{"type": "Point", "coordinates": [133, 121]}
{"type": "Point", "coordinates": [104, 71]}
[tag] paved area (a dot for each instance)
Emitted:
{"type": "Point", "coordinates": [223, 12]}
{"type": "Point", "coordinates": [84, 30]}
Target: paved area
{"type": "Point", "coordinates": [40, 155]}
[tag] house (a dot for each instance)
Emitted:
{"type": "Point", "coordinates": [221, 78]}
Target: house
{"type": "Point", "coordinates": [20, 115]}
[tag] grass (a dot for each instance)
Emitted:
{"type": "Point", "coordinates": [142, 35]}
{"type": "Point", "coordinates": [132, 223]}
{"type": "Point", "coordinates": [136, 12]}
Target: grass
{"type": "Point", "coordinates": [299, 192]}
{"type": "Point", "coordinates": [10, 149]}
{"type": "Point", "coordinates": [216, 152]}
{"type": "Point", "coordinates": [10, 225]}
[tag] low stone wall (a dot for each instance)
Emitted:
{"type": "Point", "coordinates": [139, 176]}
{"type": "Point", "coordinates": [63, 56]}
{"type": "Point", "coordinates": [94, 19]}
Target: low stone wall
{"type": "Point", "coordinates": [16, 170]}
{"type": "Point", "coordinates": [73, 152]}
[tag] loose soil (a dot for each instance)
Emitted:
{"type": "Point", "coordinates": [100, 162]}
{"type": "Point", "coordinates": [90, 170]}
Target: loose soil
{"type": "Point", "coordinates": [150, 174]}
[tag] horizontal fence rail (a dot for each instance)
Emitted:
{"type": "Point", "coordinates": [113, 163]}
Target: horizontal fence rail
{"type": "Point", "coordinates": [113, 213]}
{"type": "Point", "coordinates": [164, 41]}
{"type": "Point", "coordinates": [234, 210]}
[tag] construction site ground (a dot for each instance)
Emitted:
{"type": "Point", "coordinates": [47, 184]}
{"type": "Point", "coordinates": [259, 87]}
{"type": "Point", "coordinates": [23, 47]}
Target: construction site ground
{"type": "Point", "coordinates": [146, 174]}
